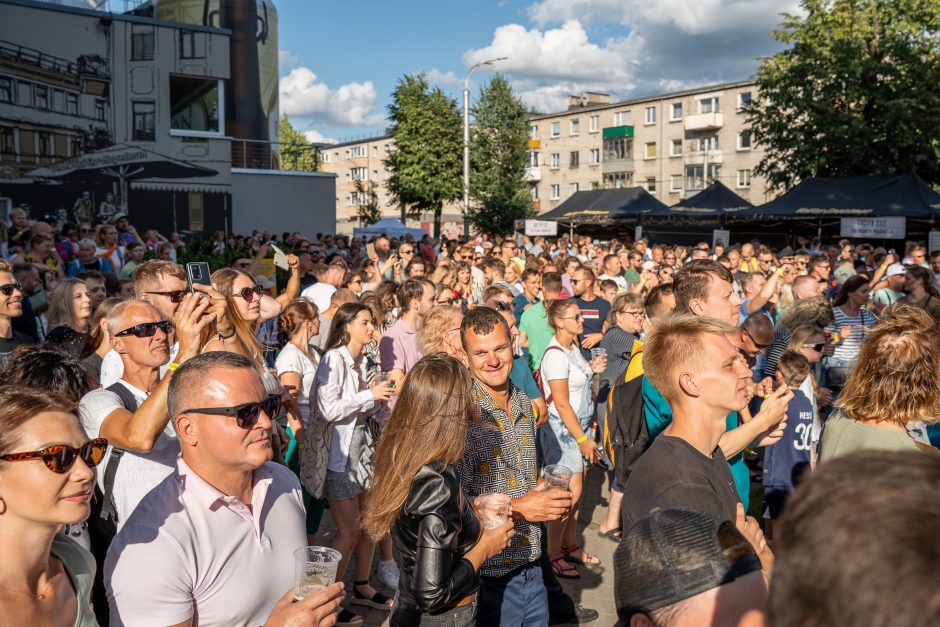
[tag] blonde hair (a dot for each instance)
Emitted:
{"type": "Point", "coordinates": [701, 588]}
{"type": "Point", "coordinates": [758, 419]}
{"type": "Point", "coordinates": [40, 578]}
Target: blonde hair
{"type": "Point", "coordinates": [801, 335]}
{"type": "Point", "coordinates": [815, 311]}
{"type": "Point", "coordinates": [438, 321]}
{"type": "Point", "coordinates": [674, 343]}
{"type": "Point", "coordinates": [295, 314]}
{"type": "Point", "coordinates": [222, 280]}
{"type": "Point", "coordinates": [897, 377]}
{"type": "Point", "coordinates": [621, 303]}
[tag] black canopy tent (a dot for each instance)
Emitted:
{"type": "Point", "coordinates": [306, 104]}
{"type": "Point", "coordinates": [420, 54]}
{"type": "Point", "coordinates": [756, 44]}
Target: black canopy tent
{"type": "Point", "coordinates": [604, 207]}
{"type": "Point", "coordinates": [690, 218]}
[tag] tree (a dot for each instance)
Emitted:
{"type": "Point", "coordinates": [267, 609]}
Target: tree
{"type": "Point", "coordinates": [297, 153]}
{"type": "Point", "coordinates": [498, 156]}
{"type": "Point", "coordinates": [856, 93]}
{"type": "Point", "coordinates": [425, 164]}
{"type": "Point", "coordinates": [368, 208]}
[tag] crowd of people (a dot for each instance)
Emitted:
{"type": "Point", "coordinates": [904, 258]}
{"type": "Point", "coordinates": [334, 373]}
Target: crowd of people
{"type": "Point", "coordinates": [447, 401]}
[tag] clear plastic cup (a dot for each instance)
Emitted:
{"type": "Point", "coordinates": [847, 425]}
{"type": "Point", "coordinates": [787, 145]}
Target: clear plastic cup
{"type": "Point", "coordinates": [598, 352]}
{"type": "Point", "coordinates": [556, 476]}
{"type": "Point", "coordinates": [494, 510]}
{"type": "Point", "coordinates": [314, 569]}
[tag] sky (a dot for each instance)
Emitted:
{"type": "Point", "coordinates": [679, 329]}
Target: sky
{"type": "Point", "coordinates": [340, 60]}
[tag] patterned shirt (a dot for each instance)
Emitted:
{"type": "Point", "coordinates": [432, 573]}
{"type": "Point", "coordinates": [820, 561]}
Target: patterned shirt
{"type": "Point", "coordinates": [500, 457]}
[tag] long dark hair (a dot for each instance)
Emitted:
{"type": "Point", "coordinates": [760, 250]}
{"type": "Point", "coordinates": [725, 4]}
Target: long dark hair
{"type": "Point", "coordinates": [339, 336]}
{"type": "Point", "coordinates": [925, 276]}
{"type": "Point", "coordinates": [852, 284]}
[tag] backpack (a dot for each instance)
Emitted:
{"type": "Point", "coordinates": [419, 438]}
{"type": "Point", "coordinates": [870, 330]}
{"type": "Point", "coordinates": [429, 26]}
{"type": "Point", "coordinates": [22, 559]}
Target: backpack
{"type": "Point", "coordinates": [102, 523]}
{"type": "Point", "coordinates": [544, 387]}
{"type": "Point", "coordinates": [626, 435]}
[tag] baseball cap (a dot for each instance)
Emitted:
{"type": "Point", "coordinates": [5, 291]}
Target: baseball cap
{"type": "Point", "coordinates": [895, 269]}
{"type": "Point", "coordinates": [676, 554]}
{"type": "Point", "coordinates": [649, 265]}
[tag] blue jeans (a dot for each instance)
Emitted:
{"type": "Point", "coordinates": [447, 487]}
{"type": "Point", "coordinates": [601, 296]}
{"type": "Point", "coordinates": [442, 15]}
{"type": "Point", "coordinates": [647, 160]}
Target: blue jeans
{"type": "Point", "coordinates": [516, 599]}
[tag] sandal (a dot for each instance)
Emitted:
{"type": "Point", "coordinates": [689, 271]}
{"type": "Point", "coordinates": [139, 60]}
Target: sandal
{"type": "Point", "coordinates": [378, 600]}
{"type": "Point", "coordinates": [614, 535]}
{"type": "Point", "coordinates": [586, 558]}
{"type": "Point", "coordinates": [345, 617]}
{"type": "Point", "coordinates": [563, 569]}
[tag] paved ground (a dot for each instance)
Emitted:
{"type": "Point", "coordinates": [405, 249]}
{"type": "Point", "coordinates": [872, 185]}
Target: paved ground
{"type": "Point", "coordinates": [594, 589]}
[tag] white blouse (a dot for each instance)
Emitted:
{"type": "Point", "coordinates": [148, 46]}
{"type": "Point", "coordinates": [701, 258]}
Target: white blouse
{"type": "Point", "coordinates": [340, 399]}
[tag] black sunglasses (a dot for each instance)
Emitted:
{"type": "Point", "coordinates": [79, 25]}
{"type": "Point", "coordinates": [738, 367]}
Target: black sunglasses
{"type": "Point", "coordinates": [816, 347]}
{"type": "Point", "coordinates": [9, 288]}
{"type": "Point", "coordinates": [502, 305]}
{"type": "Point", "coordinates": [146, 329]}
{"type": "Point", "coordinates": [756, 343]}
{"type": "Point", "coordinates": [246, 414]}
{"type": "Point", "coordinates": [59, 458]}
{"type": "Point", "coordinates": [249, 293]}
{"type": "Point", "coordinates": [176, 297]}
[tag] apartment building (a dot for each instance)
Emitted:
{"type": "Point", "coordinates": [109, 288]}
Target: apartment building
{"type": "Point", "coordinates": [672, 145]}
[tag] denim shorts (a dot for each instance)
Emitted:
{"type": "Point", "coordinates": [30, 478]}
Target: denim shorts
{"type": "Point", "coordinates": [559, 446]}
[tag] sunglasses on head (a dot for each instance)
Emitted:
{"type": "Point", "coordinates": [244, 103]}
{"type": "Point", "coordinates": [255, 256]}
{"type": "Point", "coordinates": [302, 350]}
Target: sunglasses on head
{"type": "Point", "coordinates": [176, 296]}
{"type": "Point", "coordinates": [9, 288]}
{"type": "Point", "coordinates": [502, 305]}
{"type": "Point", "coordinates": [816, 347]}
{"type": "Point", "coordinates": [249, 293]}
{"type": "Point", "coordinates": [146, 329]}
{"type": "Point", "coordinates": [246, 414]}
{"type": "Point", "coordinates": [60, 458]}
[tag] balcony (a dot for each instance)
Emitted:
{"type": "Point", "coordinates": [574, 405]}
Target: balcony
{"type": "Point", "coordinates": [697, 157]}
{"type": "Point", "coordinates": [532, 174]}
{"type": "Point", "coordinates": [704, 121]}
{"type": "Point", "coordinates": [617, 165]}
{"type": "Point", "coordinates": [534, 144]}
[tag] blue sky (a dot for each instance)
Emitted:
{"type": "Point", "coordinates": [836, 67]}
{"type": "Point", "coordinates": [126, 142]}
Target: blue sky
{"type": "Point", "coordinates": [340, 60]}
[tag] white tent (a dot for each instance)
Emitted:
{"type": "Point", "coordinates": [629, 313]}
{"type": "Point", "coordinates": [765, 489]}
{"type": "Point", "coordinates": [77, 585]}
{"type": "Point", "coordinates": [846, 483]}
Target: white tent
{"type": "Point", "coordinates": [389, 227]}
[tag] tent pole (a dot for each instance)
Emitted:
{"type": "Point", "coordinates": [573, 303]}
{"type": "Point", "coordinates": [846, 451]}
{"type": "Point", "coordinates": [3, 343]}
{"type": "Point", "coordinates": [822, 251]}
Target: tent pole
{"type": "Point", "coordinates": [819, 230]}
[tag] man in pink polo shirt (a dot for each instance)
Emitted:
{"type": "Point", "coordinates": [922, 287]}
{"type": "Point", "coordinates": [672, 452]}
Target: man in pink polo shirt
{"type": "Point", "coordinates": [214, 542]}
{"type": "Point", "coordinates": [399, 346]}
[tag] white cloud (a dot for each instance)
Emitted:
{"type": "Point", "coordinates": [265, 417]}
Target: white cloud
{"type": "Point", "coordinates": [304, 95]}
{"type": "Point", "coordinates": [436, 77]}
{"type": "Point", "coordinates": [316, 137]}
{"type": "Point", "coordinates": [287, 60]}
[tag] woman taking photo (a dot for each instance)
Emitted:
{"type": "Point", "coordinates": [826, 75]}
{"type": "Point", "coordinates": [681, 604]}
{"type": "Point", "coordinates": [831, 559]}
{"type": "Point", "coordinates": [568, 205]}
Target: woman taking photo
{"type": "Point", "coordinates": [921, 291]}
{"type": "Point", "coordinates": [47, 480]}
{"type": "Point", "coordinates": [895, 384]}
{"type": "Point", "coordinates": [338, 445]}
{"type": "Point", "coordinates": [566, 380]}
{"type": "Point", "coordinates": [439, 541]}
{"type": "Point", "coordinates": [68, 315]}
{"type": "Point", "coordinates": [848, 330]}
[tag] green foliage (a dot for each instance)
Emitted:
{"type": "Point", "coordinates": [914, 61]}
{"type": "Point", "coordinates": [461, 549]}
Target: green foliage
{"type": "Point", "coordinates": [368, 209]}
{"type": "Point", "coordinates": [297, 154]}
{"type": "Point", "coordinates": [498, 158]}
{"type": "Point", "coordinates": [425, 165]}
{"type": "Point", "coordinates": [857, 92]}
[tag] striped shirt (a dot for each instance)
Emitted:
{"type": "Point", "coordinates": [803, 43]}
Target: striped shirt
{"type": "Point", "coordinates": [847, 348]}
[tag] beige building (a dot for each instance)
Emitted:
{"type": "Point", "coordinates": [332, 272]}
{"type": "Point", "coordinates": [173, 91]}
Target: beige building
{"type": "Point", "coordinates": [673, 145]}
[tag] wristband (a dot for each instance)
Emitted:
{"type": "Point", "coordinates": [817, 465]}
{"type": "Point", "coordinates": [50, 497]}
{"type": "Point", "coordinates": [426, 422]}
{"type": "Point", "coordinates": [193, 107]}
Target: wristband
{"type": "Point", "coordinates": [836, 337]}
{"type": "Point", "coordinates": [780, 271]}
{"type": "Point", "coordinates": [173, 366]}
{"type": "Point", "coordinates": [883, 266]}
{"type": "Point", "coordinates": [582, 439]}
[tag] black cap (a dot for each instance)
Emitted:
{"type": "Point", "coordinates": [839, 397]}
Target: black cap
{"type": "Point", "coordinates": [786, 252]}
{"type": "Point", "coordinates": [675, 554]}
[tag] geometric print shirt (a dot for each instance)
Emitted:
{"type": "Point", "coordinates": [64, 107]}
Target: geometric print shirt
{"type": "Point", "coordinates": [500, 457]}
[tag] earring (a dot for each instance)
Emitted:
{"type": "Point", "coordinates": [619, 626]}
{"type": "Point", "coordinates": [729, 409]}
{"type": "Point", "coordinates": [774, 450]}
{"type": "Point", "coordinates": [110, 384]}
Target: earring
{"type": "Point", "coordinates": [3, 506]}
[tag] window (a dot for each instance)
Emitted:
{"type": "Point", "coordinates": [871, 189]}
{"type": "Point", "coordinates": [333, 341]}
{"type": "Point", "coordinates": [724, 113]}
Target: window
{"type": "Point", "coordinates": [618, 148]}
{"type": "Point", "coordinates": [41, 97]}
{"type": "Point", "coordinates": [649, 115]}
{"type": "Point", "coordinates": [556, 129]}
{"type": "Point", "coordinates": [617, 180]}
{"type": "Point", "coordinates": [325, 157]}
{"type": "Point", "coordinates": [675, 111]}
{"type": "Point", "coordinates": [650, 151]}
{"type": "Point", "coordinates": [45, 144]}
{"type": "Point", "coordinates": [576, 126]}
{"type": "Point", "coordinates": [744, 100]}
{"type": "Point", "coordinates": [594, 123]}
{"type": "Point", "coordinates": [533, 131]}
{"type": "Point", "coordinates": [651, 184]}
{"type": "Point", "coordinates": [358, 151]}
{"type": "Point", "coordinates": [709, 142]}
{"type": "Point", "coordinates": [622, 118]}
{"type": "Point", "coordinates": [6, 89]}
{"type": "Point", "coordinates": [7, 140]}
{"type": "Point", "coordinates": [142, 43]}
{"type": "Point", "coordinates": [196, 213]}
{"type": "Point", "coordinates": [595, 156]}
{"type": "Point", "coordinates": [192, 45]}
{"type": "Point", "coordinates": [744, 140]}
{"type": "Point", "coordinates": [744, 178]}
{"type": "Point", "coordinates": [572, 189]}
{"type": "Point", "coordinates": [556, 160]}
{"type": "Point", "coordinates": [195, 104]}
{"type": "Point", "coordinates": [574, 159]}
{"type": "Point", "coordinates": [375, 151]}
{"type": "Point", "coordinates": [533, 158]}
{"type": "Point", "coordinates": [359, 174]}
{"type": "Point", "coordinates": [556, 191]}
{"type": "Point", "coordinates": [99, 110]}
{"type": "Point", "coordinates": [145, 114]}
{"type": "Point", "coordinates": [693, 175]}
{"type": "Point", "coordinates": [675, 148]}
{"type": "Point", "coordinates": [675, 183]}
{"type": "Point", "coordinates": [71, 104]}
{"type": "Point", "coordinates": [708, 105]}
{"type": "Point", "coordinates": [534, 192]}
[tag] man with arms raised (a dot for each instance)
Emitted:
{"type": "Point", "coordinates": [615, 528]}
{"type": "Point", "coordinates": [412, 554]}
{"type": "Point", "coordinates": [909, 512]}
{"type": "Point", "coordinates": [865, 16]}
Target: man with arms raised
{"type": "Point", "coordinates": [213, 543]}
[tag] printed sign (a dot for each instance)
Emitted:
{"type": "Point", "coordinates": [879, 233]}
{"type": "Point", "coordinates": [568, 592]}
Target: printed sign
{"type": "Point", "coordinates": [720, 235]}
{"type": "Point", "coordinates": [541, 227]}
{"type": "Point", "coordinates": [874, 228]}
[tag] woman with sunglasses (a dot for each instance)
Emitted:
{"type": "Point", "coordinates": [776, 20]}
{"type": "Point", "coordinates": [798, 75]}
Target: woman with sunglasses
{"type": "Point", "coordinates": [68, 315]}
{"type": "Point", "coordinates": [621, 331]}
{"type": "Point", "coordinates": [338, 445]}
{"type": "Point", "coordinates": [47, 479]}
{"type": "Point", "coordinates": [567, 439]}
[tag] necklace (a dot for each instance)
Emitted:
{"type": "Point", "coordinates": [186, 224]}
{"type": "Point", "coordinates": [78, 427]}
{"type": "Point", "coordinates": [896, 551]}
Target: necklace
{"type": "Point", "coordinates": [30, 594]}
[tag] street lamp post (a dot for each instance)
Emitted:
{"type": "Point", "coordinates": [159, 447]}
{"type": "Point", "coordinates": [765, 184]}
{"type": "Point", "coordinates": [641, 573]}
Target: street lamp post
{"type": "Point", "coordinates": [466, 143]}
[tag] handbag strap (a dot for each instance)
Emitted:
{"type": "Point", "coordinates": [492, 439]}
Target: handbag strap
{"type": "Point", "coordinates": [130, 404]}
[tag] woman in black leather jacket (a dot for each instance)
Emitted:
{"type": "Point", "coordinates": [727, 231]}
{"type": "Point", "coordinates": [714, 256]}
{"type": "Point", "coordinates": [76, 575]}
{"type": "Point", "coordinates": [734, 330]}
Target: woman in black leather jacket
{"type": "Point", "coordinates": [439, 543]}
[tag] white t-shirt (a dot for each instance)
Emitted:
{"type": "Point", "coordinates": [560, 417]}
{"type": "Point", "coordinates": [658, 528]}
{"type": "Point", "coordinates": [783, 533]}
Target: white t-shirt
{"type": "Point", "coordinates": [138, 473]}
{"type": "Point", "coordinates": [320, 295]}
{"type": "Point", "coordinates": [292, 359]}
{"type": "Point", "coordinates": [112, 368]}
{"type": "Point", "coordinates": [559, 363]}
